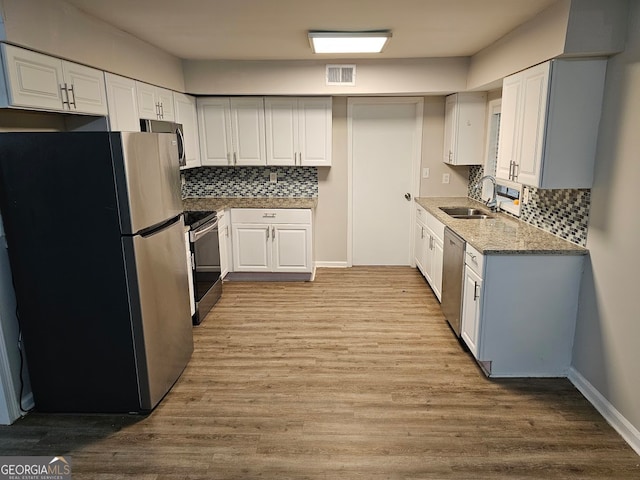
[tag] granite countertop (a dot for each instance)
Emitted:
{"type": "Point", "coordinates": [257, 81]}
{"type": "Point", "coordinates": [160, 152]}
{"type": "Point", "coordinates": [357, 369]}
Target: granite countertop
{"type": "Point", "coordinates": [502, 235]}
{"type": "Point", "coordinates": [220, 203]}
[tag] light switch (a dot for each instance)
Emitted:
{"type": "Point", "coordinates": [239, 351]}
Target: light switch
{"type": "Point", "coordinates": [425, 172]}
{"type": "Point", "coordinates": [445, 178]}
{"type": "Point", "coordinates": [273, 177]}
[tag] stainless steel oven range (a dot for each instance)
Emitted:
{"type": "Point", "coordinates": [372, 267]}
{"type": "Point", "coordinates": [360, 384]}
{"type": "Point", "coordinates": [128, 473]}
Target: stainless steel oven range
{"type": "Point", "coordinates": [205, 261]}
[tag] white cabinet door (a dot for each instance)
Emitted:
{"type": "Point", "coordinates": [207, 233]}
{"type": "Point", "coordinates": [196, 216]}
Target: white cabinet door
{"type": "Point", "coordinates": [535, 86]}
{"type": "Point", "coordinates": [248, 131]}
{"type": "Point", "coordinates": [147, 102]}
{"type": "Point", "coordinates": [436, 265]}
{"type": "Point", "coordinates": [165, 101]}
{"type": "Point", "coordinates": [315, 131]}
{"type": "Point", "coordinates": [252, 248]}
{"type": "Point", "coordinates": [471, 309]}
{"type": "Point", "coordinates": [223, 242]}
{"type": "Point", "coordinates": [155, 103]}
{"type": "Point", "coordinates": [214, 124]}
{"type": "Point", "coordinates": [464, 132]}
{"type": "Point", "coordinates": [34, 80]}
{"type": "Point", "coordinates": [185, 114]}
{"type": "Point", "coordinates": [122, 103]}
{"type": "Point", "coordinates": [450, 121]}
{"type": "Point", "coordinates": [85, 89]}
{"type": "Point", "coordinates": [281, 119]}
{"type": "Point", "coordinates": [428, 256]}
{"type": "Point", "coordinates": [291, 248]}
{"type": "Point", "coordinates": [509, 125]}
{"type": "Point", "coordinates": [420, 245]}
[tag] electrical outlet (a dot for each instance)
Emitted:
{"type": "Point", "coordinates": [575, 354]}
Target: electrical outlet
{"type": "Point", "coordinates": [525, 195]}
{"type": "Point", "coordinates": [183, 181]}
{"type": "Point", "coordinates": [273, 177]}
{"type": "Point", "coordinates": [425, 173]}
{"type": "Point", "coordinates": [445, 178]}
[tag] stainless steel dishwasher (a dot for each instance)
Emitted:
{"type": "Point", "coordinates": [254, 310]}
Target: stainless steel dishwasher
{"type": "Point", "coordinates": [453, 265]}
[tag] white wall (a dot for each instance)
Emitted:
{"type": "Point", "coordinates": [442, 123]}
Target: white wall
{"type": "Point", "coordinates": [57, 28]}
{"type": "Point", "coordinates": [607, 343]}
{"type": "Point", "coordinates": [373, 77]}
{"type": "Point", "coordinates": [567, 28]}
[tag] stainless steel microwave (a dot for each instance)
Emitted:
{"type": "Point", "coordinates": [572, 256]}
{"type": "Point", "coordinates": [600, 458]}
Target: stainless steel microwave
{"type": "Point", "coordinates": [160, 126]}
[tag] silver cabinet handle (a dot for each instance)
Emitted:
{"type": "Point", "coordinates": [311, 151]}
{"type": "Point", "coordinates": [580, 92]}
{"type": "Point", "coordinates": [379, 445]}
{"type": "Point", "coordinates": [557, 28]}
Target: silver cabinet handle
{"type": "Point", "coordinates": [295, 158]}
{"type": "Point", "coordinates": [299, 158]}
{"type": "Point", "coordinates": [473, 257]}
{"type": "Point", "coordinates": [450, 155]}
{"type": "Point", "coordinates": [516, 173]}
{"type": "Point", "coordinates": [226, 230]}
{"type": "Point", "coordinates": [273, 232]}
{"type": "Point", "coordinates": [430, 242]}
{"type": "Point", "coordinates": [269, 215]}
{"type": "Point", "coordinates": [476, 295]}
{"type": "Point", "coordinates": [161, 110]}
{"type": "Point", "coordinates": [64, 93]}
{"type": "Point", "coordinates": [267, 234]}
{"type": "Point", "coordinates": [235, 158]}
{"type": "Point", "coordinates": [73, 95]}
{"type": "Point", "coordinates": [421, 232]}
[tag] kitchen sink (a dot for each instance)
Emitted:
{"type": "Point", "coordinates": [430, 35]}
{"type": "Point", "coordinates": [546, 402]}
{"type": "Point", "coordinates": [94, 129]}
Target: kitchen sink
{"type": "Point", "coordinates": [466, 213]}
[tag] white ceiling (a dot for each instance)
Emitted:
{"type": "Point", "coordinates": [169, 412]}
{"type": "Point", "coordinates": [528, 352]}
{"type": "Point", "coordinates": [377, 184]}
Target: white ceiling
{"type": "Point", "coordinates": [277, 29]}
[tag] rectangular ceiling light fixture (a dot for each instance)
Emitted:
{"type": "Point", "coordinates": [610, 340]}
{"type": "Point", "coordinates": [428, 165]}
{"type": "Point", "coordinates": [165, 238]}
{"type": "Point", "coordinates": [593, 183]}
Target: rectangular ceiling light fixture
{"type": "Point", "coordinates": [349, 42]}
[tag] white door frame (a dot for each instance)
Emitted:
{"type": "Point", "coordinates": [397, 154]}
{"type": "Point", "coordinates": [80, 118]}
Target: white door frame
{"type": "Point", "coordinates": [415, 175]}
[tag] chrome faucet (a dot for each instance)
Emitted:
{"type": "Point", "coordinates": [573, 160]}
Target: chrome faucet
{"type": "Point", "coordinates": [492, 202]}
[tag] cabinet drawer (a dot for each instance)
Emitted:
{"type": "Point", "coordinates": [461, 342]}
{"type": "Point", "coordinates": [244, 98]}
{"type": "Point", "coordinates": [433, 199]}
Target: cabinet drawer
{"type": "Point", "coordinates": [270, 215]}
{"type": "Point", "coordinates": [421, 215]}
{"type": "Point", "coordinates": [436, 227]}
{"type": "Point", "coordinates": [474, 259]}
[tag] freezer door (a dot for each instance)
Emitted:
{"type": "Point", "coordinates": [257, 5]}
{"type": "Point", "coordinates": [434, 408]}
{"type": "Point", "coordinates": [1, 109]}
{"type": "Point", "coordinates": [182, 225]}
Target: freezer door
{"type": "Point", "coordinates": [162, 318]}
{"type": "Point", "coordinates": [148, 177]}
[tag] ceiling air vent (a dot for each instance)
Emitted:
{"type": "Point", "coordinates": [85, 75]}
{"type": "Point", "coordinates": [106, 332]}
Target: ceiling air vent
{"type": "Point", "coordinates": [341, 74]}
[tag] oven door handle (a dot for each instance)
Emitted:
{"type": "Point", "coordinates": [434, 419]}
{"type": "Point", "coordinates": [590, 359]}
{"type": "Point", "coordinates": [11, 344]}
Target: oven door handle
{"type": "Point", "coordinates": [201, 232]}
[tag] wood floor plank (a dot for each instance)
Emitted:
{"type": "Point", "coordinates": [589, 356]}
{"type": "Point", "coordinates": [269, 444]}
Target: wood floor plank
{"type": "Point", "coordinates": [353, 376]}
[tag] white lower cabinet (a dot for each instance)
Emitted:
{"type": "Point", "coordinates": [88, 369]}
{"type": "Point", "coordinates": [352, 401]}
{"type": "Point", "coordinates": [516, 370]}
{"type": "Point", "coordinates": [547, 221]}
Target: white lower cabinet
{"type": "Point", "coordinates": [519, 312]}
{"type": "Point", "coordinates": [224, 242]}
{"type": "Point", "coordinates": [274, 240]}
{"type": "Point", "coordinates": [471, 302]}
{"type": "Point", "coordinates": [428, 248]}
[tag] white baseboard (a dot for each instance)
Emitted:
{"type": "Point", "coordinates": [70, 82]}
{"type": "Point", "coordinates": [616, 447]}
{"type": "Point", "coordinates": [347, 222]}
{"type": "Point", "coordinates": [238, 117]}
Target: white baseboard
{"type": "Point", "coordinates": [627, 431]}
{"type": "Point", "coordinates": [332, 264]}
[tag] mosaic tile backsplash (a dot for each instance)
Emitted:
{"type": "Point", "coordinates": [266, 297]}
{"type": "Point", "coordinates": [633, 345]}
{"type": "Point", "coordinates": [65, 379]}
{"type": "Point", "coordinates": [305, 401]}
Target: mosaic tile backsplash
{"type": "Point", "coordinates": [564, 213]}
{"type": "Point", "coordinates": [250, 182]}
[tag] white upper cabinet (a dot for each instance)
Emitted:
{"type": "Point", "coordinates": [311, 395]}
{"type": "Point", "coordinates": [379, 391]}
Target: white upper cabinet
{"type": "Point", "coordinates": [123, 103]}
{"type": "Point", "coordinates": [214, 124]}
{"type": "Point", "coordinates": [38, 81]}
{"type": "Point", "coordinates": [232, 131]}
{"type": "Point", "coordinates": [247, 131]}
{"type": "Point", "coordinates": [185, 113]}
{"type": "Point", "coordinates": [299, 131]}
{"type": "Point", "coordinates": [154, 103]}
{"type": "Point", "coordinates": [464, 128]}
{"type": "Point", "coordinates": [549, 124]}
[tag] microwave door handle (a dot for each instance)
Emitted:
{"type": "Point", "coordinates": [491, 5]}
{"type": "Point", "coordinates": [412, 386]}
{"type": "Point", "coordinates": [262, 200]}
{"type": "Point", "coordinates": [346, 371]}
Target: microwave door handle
{"type": "Point", "coordinates": [197, 234]}
{"type": "Point", "coordinates": [182, 154]}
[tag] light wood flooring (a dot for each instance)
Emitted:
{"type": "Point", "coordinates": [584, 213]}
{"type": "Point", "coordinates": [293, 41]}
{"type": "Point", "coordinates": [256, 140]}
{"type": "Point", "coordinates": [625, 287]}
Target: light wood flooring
{"type": "Point", "coordinates": [353, 376]}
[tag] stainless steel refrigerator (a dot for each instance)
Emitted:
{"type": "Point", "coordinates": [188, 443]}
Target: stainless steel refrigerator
{"type": "Point", "coordinates": [96, 245]}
